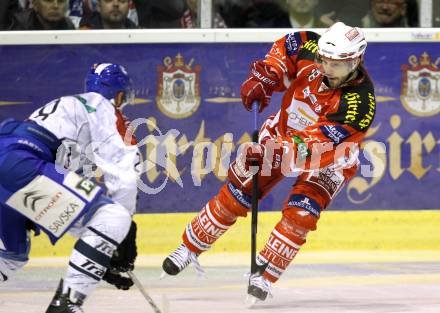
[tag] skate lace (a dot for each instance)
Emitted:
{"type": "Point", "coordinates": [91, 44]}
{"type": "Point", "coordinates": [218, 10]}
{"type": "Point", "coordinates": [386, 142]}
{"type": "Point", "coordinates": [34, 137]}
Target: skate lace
{"type": "Point", "coordinates": [182, 257]}
{"type": "Point", "coordinates": [261, 283]}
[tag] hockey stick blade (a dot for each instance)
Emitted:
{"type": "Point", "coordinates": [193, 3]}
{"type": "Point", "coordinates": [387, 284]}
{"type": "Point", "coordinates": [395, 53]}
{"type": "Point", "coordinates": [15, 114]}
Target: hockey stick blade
{"type": "Point", "coordinates": [143, 292]}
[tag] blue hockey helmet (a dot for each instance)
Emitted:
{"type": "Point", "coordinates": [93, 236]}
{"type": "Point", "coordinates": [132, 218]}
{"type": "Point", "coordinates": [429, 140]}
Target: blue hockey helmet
{"type": "Point", "coordinates": [108, 80]}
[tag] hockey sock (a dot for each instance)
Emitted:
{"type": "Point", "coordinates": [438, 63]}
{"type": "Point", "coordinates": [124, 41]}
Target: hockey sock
{"type": "Point", "coordinates": [211, 222]}
{"type": "Point", "coordinates": [280, 249]}
{"type": "Point", "coordinates": [92, 252]}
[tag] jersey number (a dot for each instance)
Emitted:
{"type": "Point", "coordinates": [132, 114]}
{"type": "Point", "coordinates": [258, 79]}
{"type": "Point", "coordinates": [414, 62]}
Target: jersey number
{"type": "Point", "coordinates": [48, 109]}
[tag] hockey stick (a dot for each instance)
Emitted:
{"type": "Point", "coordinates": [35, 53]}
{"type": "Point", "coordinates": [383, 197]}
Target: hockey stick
{"type": "Point", "coordinates": [143, 292]}
{"type": "Point", "coordinates": [254, 222]}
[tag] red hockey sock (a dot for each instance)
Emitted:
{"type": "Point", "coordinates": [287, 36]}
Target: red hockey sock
{"type": "Point", "coordinates": [211, 222]}
{"type": "Point", "coordinates": [280, 249]}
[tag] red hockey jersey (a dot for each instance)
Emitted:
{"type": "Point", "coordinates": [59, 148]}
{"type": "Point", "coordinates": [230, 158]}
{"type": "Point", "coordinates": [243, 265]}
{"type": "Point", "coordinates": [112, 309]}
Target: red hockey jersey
{"type": "Point", "coordinates": [312, 113]}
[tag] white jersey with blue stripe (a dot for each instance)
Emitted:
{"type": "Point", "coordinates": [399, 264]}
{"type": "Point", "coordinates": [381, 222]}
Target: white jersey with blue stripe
{"type": "Point", "coordinates": [86, 124]}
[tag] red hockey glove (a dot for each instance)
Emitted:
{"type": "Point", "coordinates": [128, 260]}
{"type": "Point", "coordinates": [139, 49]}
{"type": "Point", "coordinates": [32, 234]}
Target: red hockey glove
{"type": "Point", "coordinates": [244, 167]}
{"type": "Point", "coordinates": [259, 86]}
{"type": "Point", "coordinates": [275, 158]}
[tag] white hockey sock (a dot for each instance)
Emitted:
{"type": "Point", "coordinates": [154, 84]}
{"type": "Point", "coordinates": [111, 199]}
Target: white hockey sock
{"type": "Point", "coordinates": [92, 252]}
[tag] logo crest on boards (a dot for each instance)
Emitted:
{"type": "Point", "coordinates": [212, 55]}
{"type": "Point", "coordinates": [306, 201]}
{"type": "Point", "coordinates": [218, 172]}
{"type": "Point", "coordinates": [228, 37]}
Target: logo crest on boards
{"type": "Point", "coordinates": [178, 91]}
{"type": "Point", "coordinates": [420, 93]}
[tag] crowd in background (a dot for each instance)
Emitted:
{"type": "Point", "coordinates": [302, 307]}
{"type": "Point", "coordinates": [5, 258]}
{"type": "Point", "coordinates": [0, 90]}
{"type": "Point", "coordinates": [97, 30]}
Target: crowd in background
{"type": "Point", "coordinates": [129, 14]}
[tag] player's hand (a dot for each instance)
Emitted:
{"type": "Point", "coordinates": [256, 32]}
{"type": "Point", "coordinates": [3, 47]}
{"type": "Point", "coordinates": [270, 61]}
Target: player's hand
{"type": "Point", "coordinates": [124, 257]}
{"type": "Point", "coordinates": [259, 86]}
{"type": "Point", "coordinates": [248, 162]}
{"type": "Point", "coordinates": [116, 279]}
{"type": "Point", "coordinates": [252, 154]}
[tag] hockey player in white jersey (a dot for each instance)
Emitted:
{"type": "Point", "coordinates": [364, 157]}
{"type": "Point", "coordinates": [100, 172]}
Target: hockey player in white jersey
{"type": "Point", "coordinates": [45, 162]}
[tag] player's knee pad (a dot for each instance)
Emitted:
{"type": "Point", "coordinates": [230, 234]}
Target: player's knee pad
{"type": "Point", "coordinates": [216, 217]}
{"type": "Point", "coordinates": [94, 249]}
{"type": "Point", "coordinates": [302, 211]}
{"type": "Point", "coordinates": [113, 220]}
{"type": "Point", "coordinates": [234, 200]}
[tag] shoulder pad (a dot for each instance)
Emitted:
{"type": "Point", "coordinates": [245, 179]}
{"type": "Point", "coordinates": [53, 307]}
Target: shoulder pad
{"type": "Point", "coordinates": [357, 106]}
{"type": "Point", "coordinates": [294, 41]}
{"type": "Point", "coordinates": [89, 108]}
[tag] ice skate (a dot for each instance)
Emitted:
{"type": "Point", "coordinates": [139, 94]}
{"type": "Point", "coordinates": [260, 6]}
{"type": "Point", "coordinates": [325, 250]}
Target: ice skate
{"type": "Point", "coordinates": [179, 260]}
{"type": "Point", "coordinates": [66, 303]}
{"type": "Point", "coordinates": [258, 289]}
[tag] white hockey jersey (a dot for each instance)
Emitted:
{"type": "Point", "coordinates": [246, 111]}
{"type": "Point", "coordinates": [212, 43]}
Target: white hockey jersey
{"type": "Point", "coordinates": [86, 124]}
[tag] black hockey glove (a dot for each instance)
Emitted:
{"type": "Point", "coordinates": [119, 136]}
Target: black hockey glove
{"type": "Point", "coordinates": [125, 255]}
{"type": "Point", "coordinates": [117, 280]}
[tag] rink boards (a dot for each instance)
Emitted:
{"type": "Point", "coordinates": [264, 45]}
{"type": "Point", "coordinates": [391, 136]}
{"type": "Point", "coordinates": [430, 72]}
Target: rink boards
{"type": "Point", "coordinates": [412, 235]}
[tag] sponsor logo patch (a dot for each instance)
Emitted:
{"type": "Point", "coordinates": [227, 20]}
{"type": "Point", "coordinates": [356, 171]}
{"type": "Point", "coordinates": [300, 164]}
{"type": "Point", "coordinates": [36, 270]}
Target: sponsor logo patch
{"type": "Point", "coordinates": [84, 187]}
{"type": "Point", "coordinates": [335, 133]}
{"type": "Point", "coordinates": [241, 197]}
{"type": "Point", "coordinates": [329, 179]}
{"type": "Point", "coordinates": [47, 203]}
{"type": "Point", "coordinates": [306, 203]}
{"type": "Point", "coordinates": [293, 42]}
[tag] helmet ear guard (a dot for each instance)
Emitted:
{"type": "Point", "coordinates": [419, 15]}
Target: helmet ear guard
{"type": "Point", "coordinates": [109, 80]}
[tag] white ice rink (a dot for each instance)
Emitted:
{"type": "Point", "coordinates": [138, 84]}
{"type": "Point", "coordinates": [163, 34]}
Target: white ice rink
{"type": "Point", "coordinates": [378, 287]}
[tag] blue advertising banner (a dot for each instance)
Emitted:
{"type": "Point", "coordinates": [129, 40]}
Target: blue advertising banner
{"type": "Point", "coordinates": [188, 100]}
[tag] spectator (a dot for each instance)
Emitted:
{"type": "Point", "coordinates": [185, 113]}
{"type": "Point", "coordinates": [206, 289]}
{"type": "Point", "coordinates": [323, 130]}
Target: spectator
{"type": "Point", "coordinates": [390, 13]}
{"type": "Point", "coordinates": [160, 14]}
{"type": "Point", "coordinates": [109, 14]}
{"type": "Point", "coordinates": [7, 8]}
{"type": "Point", "coordinates": [301, 14]}
{"type": "Point", "coordinates": [350, 12]}
{"type": "Point", "coordinates": [44, 15]}
{"type": "Point", "coordinates": [258, 14]}
{"type": "Point", "coordinates": [80, 8]}
{"type": "Point", "coordinates": [189, 18]}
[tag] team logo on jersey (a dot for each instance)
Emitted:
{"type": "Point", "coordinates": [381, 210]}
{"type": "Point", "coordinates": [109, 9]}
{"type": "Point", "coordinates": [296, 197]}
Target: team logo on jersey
{"type": "Point", "coordinates": [178, 91]}
{"type": "Point", "coordinates": [308, 94]}
{"type": "Point", "coordinates": [420, 94]}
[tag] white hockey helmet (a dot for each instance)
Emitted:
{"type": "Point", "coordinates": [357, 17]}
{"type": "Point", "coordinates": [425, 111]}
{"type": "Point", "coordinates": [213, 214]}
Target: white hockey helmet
{"type": "Point", "coordinates": [342, 42]}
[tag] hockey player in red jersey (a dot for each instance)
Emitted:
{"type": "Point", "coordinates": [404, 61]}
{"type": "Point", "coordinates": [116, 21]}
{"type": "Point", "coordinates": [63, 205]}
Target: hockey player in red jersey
{"type": "Point", "coordinates": [327, 107]}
